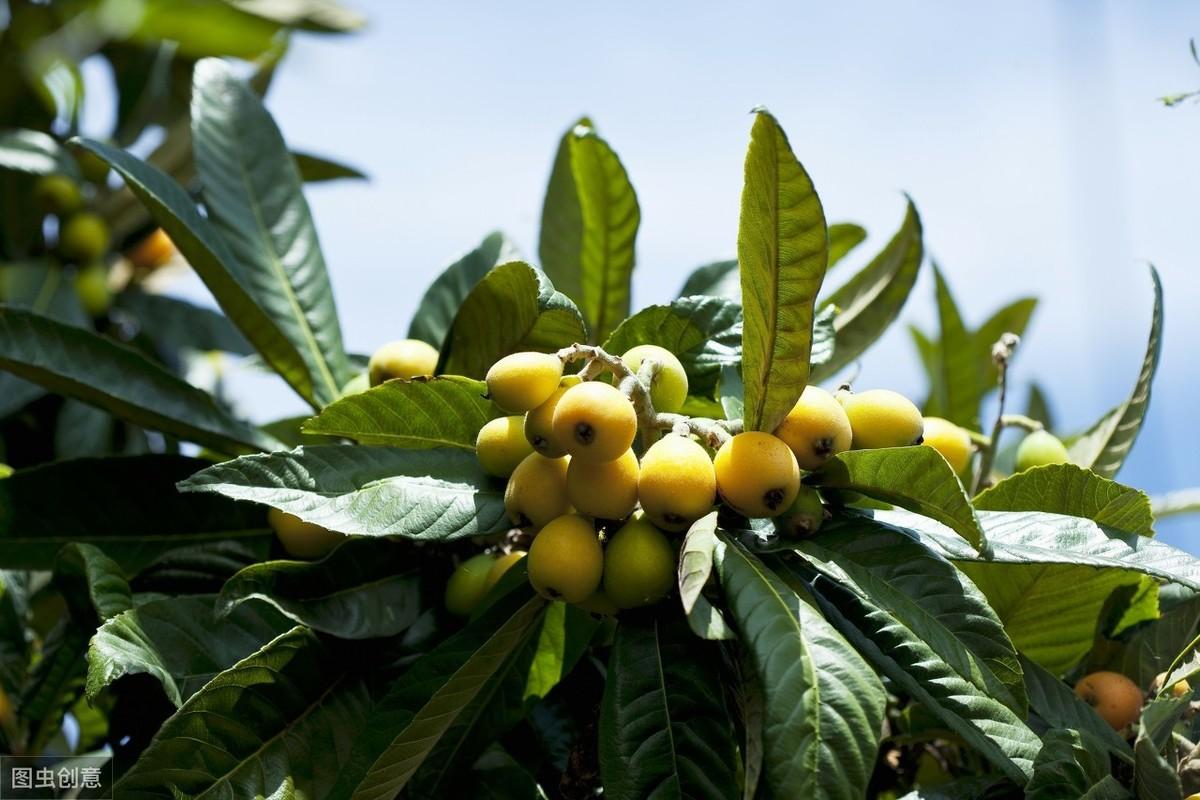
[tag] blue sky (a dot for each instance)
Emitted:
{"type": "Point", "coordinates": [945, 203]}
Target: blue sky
{"type": "Point", "coordinates": [1027, 133]}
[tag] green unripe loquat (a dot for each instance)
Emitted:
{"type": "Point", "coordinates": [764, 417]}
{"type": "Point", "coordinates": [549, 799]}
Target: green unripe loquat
{"type": "Point", "coordinates": [523, 381]}
{"type": "Point", "coordinates": [882, 418]}
{"type": "Point", "coordinates": [757, 474]}
{"type": "Point", "coordinates": [93, 167]}
{"type": "Point", "coordinates": [805, 515]}
{"type": "Point", "coordinates": [501, 445]}
{"type": "Point", "coordinates": [57, 194]}
{"type": "Point", "coordinates": [301, 539]}
{"type": "Point", "coordinates": [83, 238]}
{"type": "Point", "coordinates": [595, 422]}
{"type": "Point", "coordinates": [669, 386]}
{"type": "Point", "coordinates": [605, 489]}
{"type": "Point", "coordinates": [599, 604]}
{"type": "Point", "coordinates": [405, 358]}
{"type": "Point", "coordinates": [566, 560]}
{"type": "Point", "coordinates": [468, 584]}
{"type": "Point", "coordinates": [356, 385]}
{"type": "Point", "coordinates": [539, 422]}
{"type": "Point", "coordinates": [677, 484]}
{"type": "Point", "coordinates": [950, 440]}
{"type": "Point", "coordinates": [816, 428]}
{"type": "Point", "coordinates": [91, 286]}
{"type": "Point", "coordinates": [1040, 448]}
{"type": "Point", "coordinates": [5, 470]}
{"type": "Point", "coordinates": [639, 565]}
{"type": "Point", "coordinates": [537, 491]}
{"type": "Point", "coordinates": [502, 565]}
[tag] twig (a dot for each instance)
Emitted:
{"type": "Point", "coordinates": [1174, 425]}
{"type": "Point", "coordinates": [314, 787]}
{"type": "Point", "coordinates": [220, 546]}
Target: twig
{"type": "Point", "coordinates": [1002, 353]}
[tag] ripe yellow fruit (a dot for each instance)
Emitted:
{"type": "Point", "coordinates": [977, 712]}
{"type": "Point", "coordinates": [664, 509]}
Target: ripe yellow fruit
{"type": "Point", "coordinates": [153, 251]}
{"type": "Point", "coordinates": [669, 386]}
{"type": "Point", "coordinates": [805, 515]}
{"type": "Point", "coordinates": [468, 584]}
{"type": "Point", "coordinates": [502, 565]}
{"type": "Point", "coordinates": [757, 474]}
{"type": "Point", "coordinates": [604, 490]}
{"type": "Point", "coordinates": [91, 286]}
{"type": "Point", "coordinates": [882, 418]}
{"type": "Point", "coordinates": [639, 565]}
{"type": "Point", "coordinates": [1040, 448]}
{"type": "Point", "coordinates": [501, 445]}
{"type": "Point", "coordinates": [677, 484]}
{"type": "Point", "coordinates": [816, 428]}
{"type": "Point", "coordinates": [1115, 698]}
{"type": "Point", "coordinates": [83, 238]}
{"type": "Point", "coordinates": [595, 422]}
{"type": "Point", "coordinates": [539, 422]}
{"type": "Point", "coordinates": [302, 539]}
{"type": "Point", "coordinates": [599, 604]}
{"type": "Point", "coordinates": [566, 560]}
{"type": "Point", "coordinates": [523, 381]}
{"type": "Point", "coordinates": [406, 358]}
{"type": "Point", "coordinates": [1178, 690]}
{"type": "Point", "coordinates": [537, 491]}
{"type": "Point", "coordinates": [950, 440]}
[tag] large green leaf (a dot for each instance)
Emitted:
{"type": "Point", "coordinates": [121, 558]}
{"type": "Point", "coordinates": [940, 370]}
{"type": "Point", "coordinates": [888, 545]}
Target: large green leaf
{"type": "Point", "coordinates": [1071, 764]}
{"type": "Point", "coordinates": [871, 300]}
{"type": "Point", "coordinates": [14, 641]}
{"type": "Point", "coordinates": [695, 567]}
{"type": "Point", "coordinates": [181, 641]}
{"type": "Point", "coordinates": [1059, 707]}
{"type": "Point", "coordinates": [420, 413]}
{"type": "Point", "coordinates": [916, 478]}
{"type": "Point", "coordinates": [823, 704]}
{"type": "Point", "coordinates": [425, 702]}
{"type": "Point", "coordinates": [718, 279]}
{"type": "Point", "coordinates": [255, 199]}
{"type": "Point", "coordinates": [276, 724]}
{"type": "Point", "coordinates": [664, 731]}
{"type": "Point", "coordinates": [783, 249]}
{"type": "Point", "coordinates": [176, 324]}
{"type": "Point", "coordinates": [705, 333]}
{"type": "Point", "coordinates": [365, 588]}
{"type": "Point", "coordinates": [1104, 446]}
{"type": "Point", "coordinates": [513, 308]}
{"type": "Point", "coordinates": [208, 254]}
{"type": "Point", "coordinates": [36, 153]}
{"type": "Point", "coordinates": [589, 224]}
{"type": "Point", "coordinates": [94, 585]}
{"type": "Point", "coordinates": [1068, 489]}
{"type": "Point", "coordinates": [118, 379]}
{"type": "Point", "coordinates": [205, 28]}
{"type": "Point", "coordinates": [844, 237]}
{"type": "Point", "coordinates": [318, 169]}
{"type": "Point", "coordinates": [439, 305]}
{"type": "Point", "coordinates": [882, 633]}
{"type": "Point", "coordinates": [371, 491]}
{"type": "Point", "coordinates": [126, 506]}
{"type": "Point", "coordinates": [54, 683]}
{"type": "Point", "coordinates": [1144, 652]}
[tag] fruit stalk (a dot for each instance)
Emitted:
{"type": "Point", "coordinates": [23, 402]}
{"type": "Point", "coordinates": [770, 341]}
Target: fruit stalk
{"type": "Point", "coordinates": [1002, 353]}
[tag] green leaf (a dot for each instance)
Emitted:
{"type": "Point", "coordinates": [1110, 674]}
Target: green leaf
{"type": "Point", "coordinates": [1104, 446]}
{"type": "Point", "coordinates": [1071, 764]}
{"type": "Point", "coordinates": [120, 380]}
{"type": "Point", "coordinates": [320, 16]}
{"type": "Point", "coordinates": [871, 300]}
{"type": "Point", "coordinates": [731, 393]}
{"type": "Point", "coordinates": [1146, 650]}
{"type": "Point", "coordinates": [844, 237]}
{"type": "Point", "coordinates": [93, 584]}
{"type": "Point", "coordinates": [959, 382]}
{"type": "Point", "coordinates": [427, 495]}
{"type": "Point", "coordinates": [916, 478]}
{"type": "Point", "coordinates": [176, 324]}
{"type": "Point", "coordinates": [718, 279]}
{"type": "Point", "coordinates": [441, 301]}
{"type": "Point", "coordinates": [705, 333]}
{"type": "Point", "coordinates": [696, 559]}
{"type": "Point", "coordinates": [1153, 777]}
{"type": "Point", "coordinates": [36, 153]}
{"type": "Point", "coordinates": [255, 200]}
{"type": "Point", "coordinates": [319, 169]}
{"type": "Point", "coordinates": [131, 527]}
{"type": "Point", "coordinates": [783, 249]}
{"type": "Point", "coordinates": [1038, 406]}
{"type": "Point", "coordinates": [181, 641]}
{"type": "Point", "coordinates": [535, 316]}
{"type": "Point", "coordinates": [275, 724]}
{"type": "Point", "coordinates": [14, 642]}
{"type": "Point", "coordinates": [589, 224]}
{"type": "Point", "coordinates": [1184, 501]}
{"type": "Point", "coordinates": [1068, 489]}
{"type": "Point", "coordinates": [420, 413]}
{"type": "Point", "coordinates": [205, 28]}
{"type": "Point", "coordinates": [429, 705]}
{"type": "Point", "coordinates": [207, 253]}
{"type": "Point", "coordinates": [664, 729]}
{"type": "Point", "coordinates": [565, 633]}
{"type": "Point", "coordinates": [54, 683]}
{"type": "Point", "coordinates": [366, 588]}
{"type": "Point", "coordinates": [823, 705]}
{"type": "Point", "coordinates": [1059, 706]}
{"type": "Point", "coordinates": [824, 336]}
